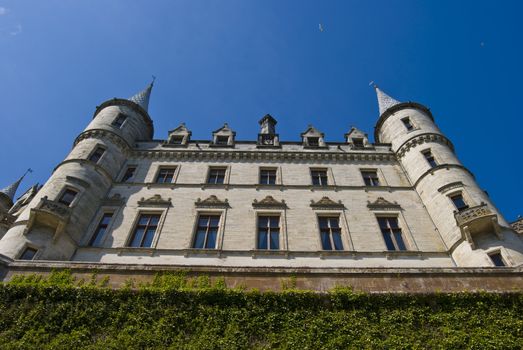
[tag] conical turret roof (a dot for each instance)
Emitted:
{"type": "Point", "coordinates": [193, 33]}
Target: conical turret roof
{"type": "Point", "coordinates": [142, 98]}
{"type": "Point", "coordinates": [10, 190]}
{"type": "Point", "coordinates": [384, 100]}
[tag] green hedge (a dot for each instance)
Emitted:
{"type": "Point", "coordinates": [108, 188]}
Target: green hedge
{"type": "Point", "coordinates": [173, 311]}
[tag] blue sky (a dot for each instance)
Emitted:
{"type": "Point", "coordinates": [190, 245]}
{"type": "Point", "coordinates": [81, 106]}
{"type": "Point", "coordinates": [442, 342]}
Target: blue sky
{"type": "Point", "coordinates": [235, 61]}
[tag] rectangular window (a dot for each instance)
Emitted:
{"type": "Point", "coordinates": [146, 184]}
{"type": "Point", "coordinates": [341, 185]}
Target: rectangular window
{"type": "Point", "coordinates": [497, 259]}
{"type": "Point", "coordinates": [165, 175]}
{"type": "Point", "coordinates": [177, 140]}
{"type": "Point", "coordinates": [222, 140]}
{"type": "Point", "coordinates": [100, 230]}
{"type": "Point", "coordinates": [391, 233]}
{"type": "Point", "coordinates": [120, 119]}
{"type": "Point", "coordinates": [207, 231]}
{"type": "Point", "coordinates": [216, 176]}
{"type": "Point", "coordinates": [28, 254]}
{"type": "Point", "coordinates": [370, 177]}
{"type": "Point", "coordinates": [267, 176]}
{"type": "Point", "coordinates": [268, 232]}
{"type": "Point", "coordinates": [358, 143]}
{"type": "Point", "coordinates": [407, 123]}
{"type": "Point", "coordinates": [319, 177]}
{"type": "Point", "coordinates": [129, 174]}
{"type": "Point", "coordinates": [430, 158]}
{"type": "Point", "coordinates": [459, 202]}
{"type": "Point", "coordinates": [313, 141]}
{"type": "Point", "coordinates": [330, 233]}
{"type": "Point", "coordinates": [144, 231]}
{"type": "Point", "coordinates": [97, 154]}
{"type": "Point", "coordinates": [68, 197]}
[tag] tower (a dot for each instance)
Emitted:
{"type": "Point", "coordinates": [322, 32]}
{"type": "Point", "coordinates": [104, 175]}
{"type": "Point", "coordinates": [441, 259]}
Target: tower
{"type": "Point", "coordinates": [57, 218]}
{"type": "Point", "coordinates": [474, 231]}
{"type": "Point", "coordinates": [7, 195]}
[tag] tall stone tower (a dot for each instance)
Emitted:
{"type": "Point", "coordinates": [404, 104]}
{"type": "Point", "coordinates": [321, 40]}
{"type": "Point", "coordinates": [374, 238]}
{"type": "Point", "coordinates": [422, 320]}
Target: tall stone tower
{"type": "Point", "coordinates": [57, 218]}
{"type": "Point", "coordinates": [473, 230]}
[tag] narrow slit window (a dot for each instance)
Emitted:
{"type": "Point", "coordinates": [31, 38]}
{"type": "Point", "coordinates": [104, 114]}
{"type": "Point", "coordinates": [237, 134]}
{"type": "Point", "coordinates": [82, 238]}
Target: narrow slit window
{"type": "Point", "coordinates": [144, 231]}
{"type": "Point", "coordinates": [100, 230]}
{"type": "Point", "coordinates": [207, 232]}
{"type": "Point", "coordinates": [269, 232]}
{"type": "Point", "coordinates": [430, 158]}
{"type": "Point", "coordinates": [97, 154]}
{"type": "Point", "coordinates": [391, 233]}
{"type": "Point", "coordinates": [330, 233]}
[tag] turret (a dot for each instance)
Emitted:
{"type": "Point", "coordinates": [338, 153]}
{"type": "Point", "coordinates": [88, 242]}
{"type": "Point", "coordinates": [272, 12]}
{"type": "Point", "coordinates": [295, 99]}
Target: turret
{"type": "Point", "coordinates": [7, 195]}
{"type": "Point", "coordinates": [474, 231]}
{"type": "Point", "coordinates": [56, 220]}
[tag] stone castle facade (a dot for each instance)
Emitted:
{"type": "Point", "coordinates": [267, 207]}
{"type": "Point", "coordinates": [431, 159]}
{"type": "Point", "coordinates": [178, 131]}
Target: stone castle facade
{"type": "Point", "coordinates": [400, 212]}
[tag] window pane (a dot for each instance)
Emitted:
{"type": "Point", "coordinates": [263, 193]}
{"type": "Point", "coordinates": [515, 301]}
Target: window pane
{"type": "Point", "coordinates": [211, 239]}
{"type": "Point", "coordinates": [325, 241]}
{"type": "Point", "coordinates": [203, 221]}
{"type": "Point", "coordinates": [96, 155]}
{"type": "Point", "coordinates": [388, 240]}
{"type": "Point", "coordinates": [334, 222]}
{"type": "Point", "coordinates": [459, 202]}
{"type": "Point", "coordinates": [214, 221]}
{"type": "Point", "coordinates": [262, 239]}
{"type": "Point", "coordinates": [399, 240]}
{"type": "Point", "coordinates": [263, 221]}
{"type": "Point", "coordinates": [383, 223]}
{"type": "Point", "coordinates": [199, 239]}
{"type": "Point", "coordinates": [154, 220]}
{"type": "Point", "coordinates": [275, 221]}
{"type": "Point", "coordinates": [393, 223]}
{"type": "Point", "coordinates": [336, 237]}
{"type": "Point", "coordinates": [67, 197]}
{"type": "Point", "coordinates": [97, 237]}
{"type": "Point", "coordinates": [28, 254]}
{"type": "Point", "coordinates": [497, 259]}
{"type": "Point", "coordinates": [275, 244]}
{"type": "Point", "coordinates": [106, 219]}
{"type": "Point", "coordinates": [323, 222]}
{"type": "Point", "coordinates": [144, 219]}
{"type": "Point", "coordinates": [148, 239]}
{"type": "Point", "coordinates": [129, 174]}
{"type": "Point", "coordinates": [137, 239]}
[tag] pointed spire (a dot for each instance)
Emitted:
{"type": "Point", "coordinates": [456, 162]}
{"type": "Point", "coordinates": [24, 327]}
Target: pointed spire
{"type": "Point", "coordinates": [10, 191]}
{"type": "Point", "coordinates": [142, 98]}
{"type": "Point", "coordinates": [384, 100]}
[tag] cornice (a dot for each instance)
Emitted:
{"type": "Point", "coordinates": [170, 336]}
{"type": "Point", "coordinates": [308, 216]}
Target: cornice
{"type": "Point", "coordinates": [211, 155]}
{"type": "Point", "coordinates": [439, 167]}
{"type": "Point", "coordinates": [421, 139]}
{"type": "Point", "coordinates": [127, 103]}
{"type": "Point", "coordinates": [105, 134]}
{"type": "Point", "coordinates": [396, 108]}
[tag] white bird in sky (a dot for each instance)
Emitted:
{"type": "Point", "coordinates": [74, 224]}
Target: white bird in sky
{"type": "Point", "coordinates": [321, 27]}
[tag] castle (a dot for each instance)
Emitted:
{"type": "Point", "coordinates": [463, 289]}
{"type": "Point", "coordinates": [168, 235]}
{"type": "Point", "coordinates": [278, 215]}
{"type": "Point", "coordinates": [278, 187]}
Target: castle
{"type": "Point", "coordinates": [401, 213]}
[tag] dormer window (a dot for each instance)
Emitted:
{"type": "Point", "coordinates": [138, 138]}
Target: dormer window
{"type": "Point", "coordinates": [97, 154]}
{"type": "Point", "coordinates": [313, 141]}
{"type": "Point", "coordinates": [222, 140]}
{"type": "Point", "coordinates": [178, 137]}
{"type": "Point", "coordinates": [358, 143]}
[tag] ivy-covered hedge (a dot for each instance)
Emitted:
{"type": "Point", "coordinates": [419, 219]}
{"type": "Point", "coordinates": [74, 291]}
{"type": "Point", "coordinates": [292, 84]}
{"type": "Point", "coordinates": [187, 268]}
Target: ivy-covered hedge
{"type": "Point", "coordinates": [173, 311]}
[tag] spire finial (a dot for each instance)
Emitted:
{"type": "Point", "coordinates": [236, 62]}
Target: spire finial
{"type": "Point", "coordinates": [384, 100]}
{"type": "Point", "coordinates": [10, 190]}
{"type": "Point", "coordinates": [142, 98]}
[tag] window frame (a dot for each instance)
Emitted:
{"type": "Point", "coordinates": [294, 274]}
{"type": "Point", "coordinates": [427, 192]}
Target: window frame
{"type": "Point", "coordinates": [217, 167]}
{"type": "Point", "coordinates": [156, 236]}
{"type": "Point", "coordinates": [427, 151]}
{"type": "Point", "coordinates": [26, 248]}
{"type": "Point", "coordinates": [501, 257]}
{"type": "Point", "coordinates": [261, 169]}
{"type": "Point", "coordinates": [94, 233]}
{"type": "Point", "coordinates": [331, 236]}
{"type": "Point", "coordinates": [125, 173]}
{"type": "Point", "coordinates": [219, 232]}
{"type": "Point", "coordinates": [62, 193]}
{"type": "Point", "coordinates": [405, 233]}
{"type": "Point", "coordinates": [408, 121]}
{"type": "Point", "coordinates": [160, 168]}
{"type": "Point", "coordinates": [326, 170]}
{"type": "Point", "coordinates": [93, 152]}
{"type": "Point", "coordinates": [375, 171]}
{"type": "Point", "coordinates": [119, 125]}
{"type": "Point", "coordinates": [455, 194]}
{"type": "Point", "coordinates": [261, 214]}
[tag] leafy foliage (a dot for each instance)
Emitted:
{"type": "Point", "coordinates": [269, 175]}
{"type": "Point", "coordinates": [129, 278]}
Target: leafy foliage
{"type": "Point", "coordinates": [178, 312]}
